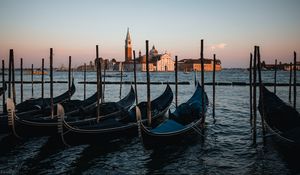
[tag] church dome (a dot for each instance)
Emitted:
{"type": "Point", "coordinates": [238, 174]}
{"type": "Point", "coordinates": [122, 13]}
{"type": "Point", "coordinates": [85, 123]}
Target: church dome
{"type": "Point", "coordinates": [153, 51]}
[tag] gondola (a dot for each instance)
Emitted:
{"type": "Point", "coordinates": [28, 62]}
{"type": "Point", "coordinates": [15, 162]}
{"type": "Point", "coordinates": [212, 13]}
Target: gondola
{"type": "Point", "coordinates": [281, 120]}
{"type": "Point", "coordinates": [123, 125]}
{"type": "Point", "coordinates": [184, 122]}
{"type": "Point", "coordinates": [42, 103]}
{"type": "Point", "coordinates": [46, 126]}
{"type": "Point", "coordinates": [33, 107]}
{"type": "Point", "coordinates": [72, 107]}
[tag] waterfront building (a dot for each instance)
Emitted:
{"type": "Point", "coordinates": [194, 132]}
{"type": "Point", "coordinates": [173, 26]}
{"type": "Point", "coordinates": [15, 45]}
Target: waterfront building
{"type": "Point", "coordinates": [160, 62]}
{"type": "Point", "coordinates": [188, 65]}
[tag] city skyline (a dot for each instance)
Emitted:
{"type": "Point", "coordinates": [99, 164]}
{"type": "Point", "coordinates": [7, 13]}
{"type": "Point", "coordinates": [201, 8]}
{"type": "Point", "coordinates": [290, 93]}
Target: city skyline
{"type": "Point", "coordinates": [72, 28]}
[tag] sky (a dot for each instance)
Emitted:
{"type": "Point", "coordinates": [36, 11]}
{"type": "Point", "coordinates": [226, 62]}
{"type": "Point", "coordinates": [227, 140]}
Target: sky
{"type": "Point", "coordinates": [230, 29]}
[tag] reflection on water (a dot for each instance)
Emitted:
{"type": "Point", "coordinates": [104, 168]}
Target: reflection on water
{"type": "Point", "coordinates": [225, 147]}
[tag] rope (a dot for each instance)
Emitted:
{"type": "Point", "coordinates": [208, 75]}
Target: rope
{"type": "Point", "coordinates": [60, 123]}
{"type": "Point", "coordinates": [208, 141]}
{"type": "Point", "coordinates": [139, 129]}
{"type": "Point", "coordinates": [198, 130]}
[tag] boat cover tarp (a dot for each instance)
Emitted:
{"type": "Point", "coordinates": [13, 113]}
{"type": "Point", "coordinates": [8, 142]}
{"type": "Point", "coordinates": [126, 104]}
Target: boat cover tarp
{"type": "Point", "coordinates": [168, 126]}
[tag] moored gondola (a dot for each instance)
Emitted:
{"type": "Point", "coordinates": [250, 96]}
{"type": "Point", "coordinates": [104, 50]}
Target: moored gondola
{"type": "Point", "coordinates": [45, 126]}
{"type": "Point", "coordinates": [33, 107]}
{"type": "Point", "coordinates": [72, 107]}
{"type": "Point", "coordinates": [184, 122]}
{"type": "Point", "coordinates": [122, 125]}
{"type": "Point", "coordinates": [45, 102]}
{"type": "Point", "coordinates": [281, 120]}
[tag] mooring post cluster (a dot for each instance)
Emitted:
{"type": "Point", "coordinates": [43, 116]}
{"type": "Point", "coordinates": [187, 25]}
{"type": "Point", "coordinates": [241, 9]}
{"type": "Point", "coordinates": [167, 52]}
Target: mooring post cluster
{"type": "Point", "coordinates": [253, 70]}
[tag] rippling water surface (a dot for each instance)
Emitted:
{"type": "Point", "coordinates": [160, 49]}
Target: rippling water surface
{"type": "Point", "coordinates": [225, 148]}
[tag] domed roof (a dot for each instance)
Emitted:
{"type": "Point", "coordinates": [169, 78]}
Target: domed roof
{"type": "Point", "coordinates": [153, 51]}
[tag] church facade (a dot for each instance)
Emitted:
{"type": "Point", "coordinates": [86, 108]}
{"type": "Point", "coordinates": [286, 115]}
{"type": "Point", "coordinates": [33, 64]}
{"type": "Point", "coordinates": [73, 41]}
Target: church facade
{"type": "Point", "coordinates": [163, 62]}
{"type": "Point", "coordinates": [157, 62]}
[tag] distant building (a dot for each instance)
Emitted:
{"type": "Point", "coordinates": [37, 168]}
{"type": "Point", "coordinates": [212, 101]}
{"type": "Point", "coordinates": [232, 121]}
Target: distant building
{"type": "Point", "coordinates": [157, 62]}
{"type": "Point", "coordinates": [188, 65]}
{"type": "Point", "coordinates": [280, 66]}
{"type": "Point", "coordinates": [128, 47]}
{"type": "Point", "coordinates": [105, 64]}
{"type": "Point", "coordinates": [89, 67]}
{"type": "Point", "coordinates": [160, 62]}
{"type": "Point", "coordinates": [287, 67]}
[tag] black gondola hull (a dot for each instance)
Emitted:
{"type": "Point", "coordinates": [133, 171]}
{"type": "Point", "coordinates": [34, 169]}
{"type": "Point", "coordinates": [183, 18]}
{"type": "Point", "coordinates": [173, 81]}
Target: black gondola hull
{"type": "Point", "coordinates": [121, 127]}
{"type": "Point", "coordinates": [33, 126]}
{"type": "Point", "coordinates": [282, 122]}
{"type": "Point", "coordinates": [155, 140]}
{"type": "Point", "coordinates": [72, 137]}
{"type": "Point", "coordinates": [182, 126]}
{"type": "Point", "coordinates": [24, 128]}
{"type": "Point", "coordinates": [3, 125]}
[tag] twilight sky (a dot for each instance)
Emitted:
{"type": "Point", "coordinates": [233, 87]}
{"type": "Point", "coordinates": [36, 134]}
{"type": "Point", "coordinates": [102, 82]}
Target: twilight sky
{"type": "Point", "coordinates": [230, 29]}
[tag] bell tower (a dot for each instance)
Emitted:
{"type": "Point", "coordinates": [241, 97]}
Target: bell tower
{"type": "Point", "coordinates": [128, 48]}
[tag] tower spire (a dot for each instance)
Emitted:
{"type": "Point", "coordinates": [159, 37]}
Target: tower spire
{"type": "Point", "coordinates": [128, 47]}
{"type": "Point", "coordinates": [128, 34]}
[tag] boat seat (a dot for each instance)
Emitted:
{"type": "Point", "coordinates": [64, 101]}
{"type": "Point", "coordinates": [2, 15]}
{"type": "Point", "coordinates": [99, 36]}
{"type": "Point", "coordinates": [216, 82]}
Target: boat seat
{"type": "Point", "coordinates": [168, 126]}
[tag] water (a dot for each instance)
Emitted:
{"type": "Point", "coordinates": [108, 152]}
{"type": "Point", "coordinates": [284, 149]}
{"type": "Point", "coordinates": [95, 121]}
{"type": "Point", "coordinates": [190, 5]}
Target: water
{"type": "Point", "coordinates": [226, 147]}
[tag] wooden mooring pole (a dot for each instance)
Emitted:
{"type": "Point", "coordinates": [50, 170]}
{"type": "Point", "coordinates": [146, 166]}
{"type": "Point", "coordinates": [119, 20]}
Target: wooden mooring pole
{"type": "Point", "coordinates": [290, 83]}
{"type": "Point", "coordinates": [254, 98]}
{"type": "Point", "coordinates": [260, 92]}
{"type": "Point", "coordinates": [148, 85]}
{"type": "Point", "coordinates": [3, 85]}
{"type": "Point", "coordinates": [31, 80]}
{"type": "Point", "coordinates": [84, 81]}
{"type": "Point", "coordinates": [51, 82]}
{"type": "Point", "coordinates": [250, 83]}
{"type": "Point", "coordinates": [69, 76]}
{"type": "Point", "coordinates": [134, 74]}
{"type": "Point", "coordinates": [21, 77]}
{"type": "Point", "coordinates": [9, 78]}
{"type": "Point", "coordinates": [176, 81]}
{"type": "Point", "coordinates": [214, 89]}
{"type": "Point", "coordinates": [202, 83]}
{"type": "Point", "coordinates": [121, 81]}
{"type": "Point", "coordinates": [43, 72]}
{"type": "Point", "coordinates": [295, 79]}
{"type": "Point", "coordinates": [100, 77]}
{"type": "Point", "coordinates": [11, 55]}
{"type": "Point", "coordinates": [99, 91]}
{"type": "Point", "coordinates": [275, 76]}
{"type": "Point", "coordinates": [103, 93]}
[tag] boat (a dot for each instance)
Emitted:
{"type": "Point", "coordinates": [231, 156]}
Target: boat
{"type": "Point", "coordinates": [32, 126]}
{"type": "Point", "coordinates": [3, 89]}
{"type": "Point", "coordinates": [72, 107]}
{"type": "Point", "coordinates": [119, 126]}
{"type": "Point", "coordinates": [282, 121]}
{"type": "Point", "coordinates": [33, 107]}
{"type": "Point", "coordinates": [80, 109]}
{"type": "Point", "coordinates": [42, 103]}
{"type": "Point", "coordinates": [181, 125]}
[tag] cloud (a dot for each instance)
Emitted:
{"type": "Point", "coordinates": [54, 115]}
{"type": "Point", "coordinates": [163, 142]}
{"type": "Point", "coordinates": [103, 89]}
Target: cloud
{"type": "Point", "coordinates": [218, 46]}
